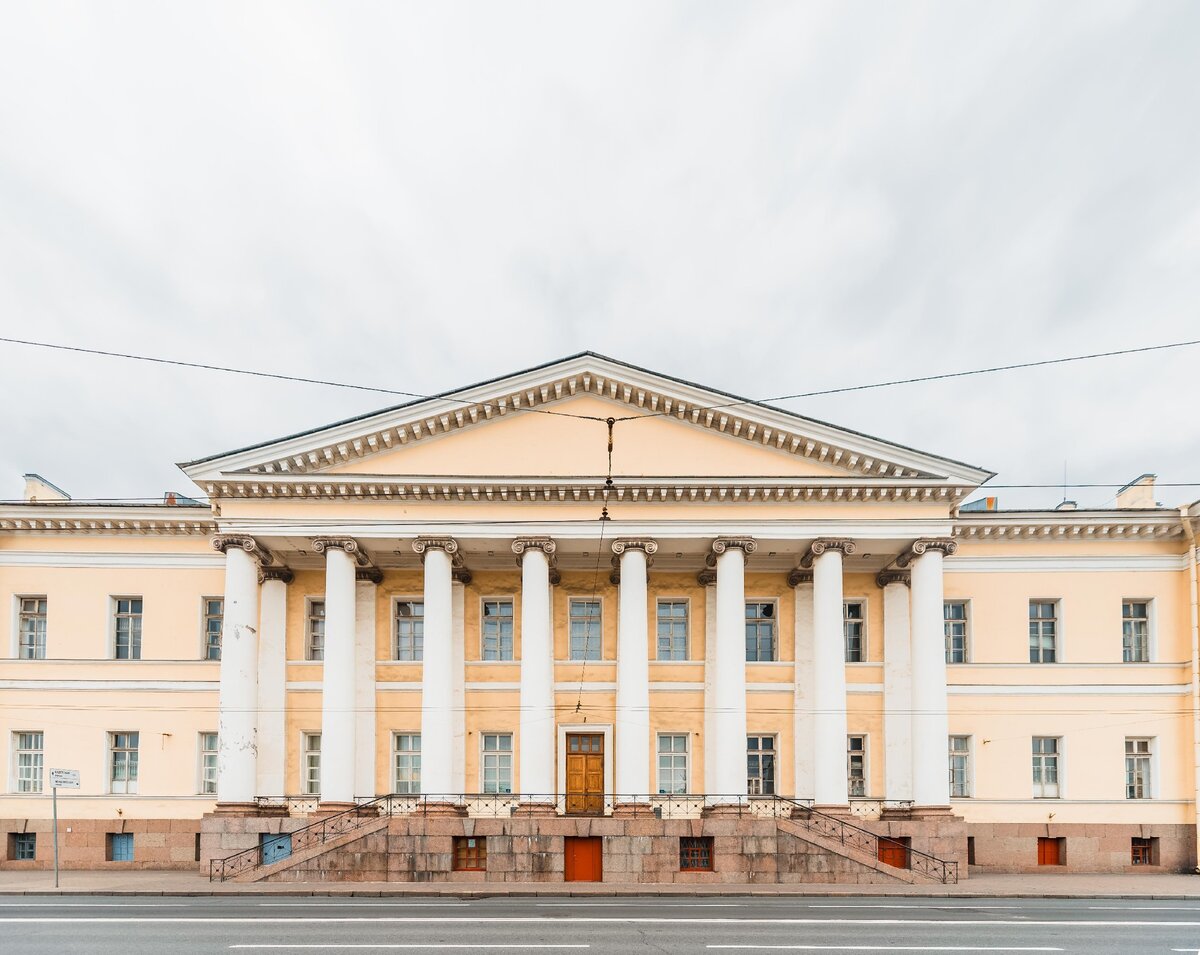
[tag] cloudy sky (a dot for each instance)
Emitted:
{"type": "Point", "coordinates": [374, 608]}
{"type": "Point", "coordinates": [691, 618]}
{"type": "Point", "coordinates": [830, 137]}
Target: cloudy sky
{"type": "Point", "coordinates": [768, 197]}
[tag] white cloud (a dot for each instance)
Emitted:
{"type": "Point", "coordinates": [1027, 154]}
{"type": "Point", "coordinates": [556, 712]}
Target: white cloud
{"type": "Point", "coordinates": [768, 197]}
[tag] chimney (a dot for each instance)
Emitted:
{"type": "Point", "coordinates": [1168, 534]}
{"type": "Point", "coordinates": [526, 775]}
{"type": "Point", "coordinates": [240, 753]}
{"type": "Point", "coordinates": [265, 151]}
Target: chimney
{"type": "Point", "coordinates": [1138, 493]}
{"type": "Point", "coordinates": [982, 504]}
{"type": "Point", "coordinates": [38, 490]}
{"type": "Point", "coordinates": [1066, 506]}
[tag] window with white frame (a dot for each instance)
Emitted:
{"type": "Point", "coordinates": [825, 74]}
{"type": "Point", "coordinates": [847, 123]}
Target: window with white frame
{"type": "Point", "coordinates": [28, 761]}
{"type": "Point", "coordinates": [1138, 753]}
{"type": "Point", "coordinates": [31, 628]}
{"type": "Point", "coordinates": [314, 632]}
{"type": "Point", "coordinates": [1043, 631]}
{"type": "Point", "coordinates": [208, 763]}
{"type": "Point", "coordinates": [312, 764]}
{"type": "Point", "coordinates": [497, 630]}
{"type": "Point", "coordinates": [410, 631]}
{"type": "Point", "coordinates": [123, 762]}
{"type": "Point", "coordinates": [854, 614]}
{"type": "Point", "coordinates": [672, 629]}
{"type": "Point", "coordinates": [127, 628]}
{"type": "Point", "coordinates": [955, 615]}
{"type": "Point", "coordinates": [497, 762]}
{"type": "Point", "coordinates": [960, 766]}
{"type": "Point", "coordinates": [760, 765]}
{"type": "Point", "coordinates": [407, 763]}
{"type": "Point", "coordinates": [672, 763]}
{"type": "Point", "coordinates": [584, 628]}
{"type": "Point", "coordinates": [760, 630]}
{"type": "Point", "coordinates": [856, 765]}
{"type": "Point", "coordinates": [1046, 752]}
{"type": "Point", "coordinates": [1135, 631]}
{"type": "Point", "coordinates": [214, 623]}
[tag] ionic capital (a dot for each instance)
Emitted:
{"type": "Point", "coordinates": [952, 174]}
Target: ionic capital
{"type": "Point", "coordinates": [423, 544]}
{"type": "Point", "coordinates": [823, 544]}
{"type": "Point", "coordinates": [283, 574]}
{"type": "Point", "coordinates": [885, 577]}
{"type": "Point", "coordinates": [946, 545]}
{"type": "Point", "coordinates": [348, 544]}
{"type": "Point", "coordinates": [799, 576]}
{"type": "Point", "coordinates": [368, 575]}
{"type": "Point", "coordinates": [223, 542]}
{"type": "Point", "coordinates": [706, 577]}
{"type": "Point", "coordinates": [545, 544]}
{"type": "Point", "coordinates": [746, 544]}
{"type": "Point", "coordinates": [635, 543]}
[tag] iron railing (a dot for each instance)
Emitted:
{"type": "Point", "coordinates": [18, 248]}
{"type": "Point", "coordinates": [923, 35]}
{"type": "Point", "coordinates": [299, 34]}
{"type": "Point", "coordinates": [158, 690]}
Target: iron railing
{"type": "Point", "coordinates": [509, 805]}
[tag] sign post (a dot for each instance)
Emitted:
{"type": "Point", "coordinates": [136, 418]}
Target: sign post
{"type": "Point", "coordinates": [66, 779]}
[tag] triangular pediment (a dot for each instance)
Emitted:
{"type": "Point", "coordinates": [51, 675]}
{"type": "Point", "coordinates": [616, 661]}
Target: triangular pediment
{"type": "Point", "coordinates": [548, 423]}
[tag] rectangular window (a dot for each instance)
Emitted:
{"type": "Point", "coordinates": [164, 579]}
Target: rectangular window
{"type": "Point", "coordinates": [312, 764]}
{"type": "Point", "coordinates": [853, 624]}
{"type": "Point", "coordinates": [119, 847]}
{"type": "Point", "coordinates": [672, 629]}
{"type": "Point", "coordinates": [497, 630]}
{"type": "Point", "coordinates": [470, 853]}
{"type": "Point", "coordinates": [410, 630]}
{"type": "Point", "coordinates": [1142, 851]}
{"type": "Point", "coordinates": [314, 648]}
{"type": "Point", "coordinates": [408, 763]}
{"type": "Point", "coordinates": [1135, 631]}
{"type": "Point", "coordinates": [31, 628]}
{"type": "Point", "coordinates": [497, 762]}
{"type": "Point", "coordinates": [214, 622]}
{"type": "Point", "coordinates": [127, 628]}
{"type": "Point", "coordinates": [1137, 769]}
{"type": "Point", "coordinates": [960, 766]}
{"type": "Point", "coordinates": [208, 763]}
{"type": "Point", "coordinates": [695, 853]}
{"type": "Point", "coordinates": [672, 763]}
{"type": "Point", "coordinates": [123, 763]}
{"type": "Point", "coordinates": [586, 639]}
{"type": "Point", "coordinates": [955, 614]}
{"type": "Point", "coordinates": [760, 765]}
{"type": "Point", "coordinates": [1052, 850]}
{"type": "Point", "coordinates": [856, 765]}
{"type": "Point", "coordinates": [1043, 631]}
{"type": "Point", "coordinates": [1045, 767]}
{"type": "Point", "coordinates": [29, 761]}
{"type": "Point", "coordinates": [22, 846]}
{"type": "Point", "coordinates": [760, 631]}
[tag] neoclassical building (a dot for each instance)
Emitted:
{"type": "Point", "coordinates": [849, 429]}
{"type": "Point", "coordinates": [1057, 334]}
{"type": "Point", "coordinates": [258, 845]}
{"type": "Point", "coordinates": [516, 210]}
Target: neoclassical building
{"type": "Point", "coordinates": [588, 601]}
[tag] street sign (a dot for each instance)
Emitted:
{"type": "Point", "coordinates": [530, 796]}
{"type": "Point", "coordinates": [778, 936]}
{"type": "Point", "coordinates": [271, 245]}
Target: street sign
{"type": "Point", "coordinates": [64, 779]}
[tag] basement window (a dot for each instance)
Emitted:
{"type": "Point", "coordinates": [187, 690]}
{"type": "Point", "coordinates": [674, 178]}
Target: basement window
{"type": "Point", "coordinates": [470, 854]}
{"type": "Point", "coordinates": [695, 853]}
{"type": "Point", "coordinates": [1143, 851]}
{"type": "Point", "coordinates": [119, 846]}
{"type": "Point", "coordinates": [22, 846]}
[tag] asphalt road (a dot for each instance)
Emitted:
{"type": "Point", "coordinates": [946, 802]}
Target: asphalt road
{"type": "Point", "coordinates": [98, 925]}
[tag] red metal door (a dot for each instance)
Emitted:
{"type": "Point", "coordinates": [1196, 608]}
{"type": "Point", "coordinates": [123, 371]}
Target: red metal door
{"type": "Point", "coordinates": [583, 860]}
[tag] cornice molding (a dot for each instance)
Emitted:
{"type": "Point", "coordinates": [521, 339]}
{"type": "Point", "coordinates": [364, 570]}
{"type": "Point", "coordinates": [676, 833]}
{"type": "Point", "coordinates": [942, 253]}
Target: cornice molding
{"type": "Point", "coordinates": [108, 519]}
{"type": "Point", "coordinates": [1058, 525]}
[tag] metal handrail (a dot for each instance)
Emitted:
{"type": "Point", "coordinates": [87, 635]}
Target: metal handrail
{"type": "Point", "coordinates": [643, 805]}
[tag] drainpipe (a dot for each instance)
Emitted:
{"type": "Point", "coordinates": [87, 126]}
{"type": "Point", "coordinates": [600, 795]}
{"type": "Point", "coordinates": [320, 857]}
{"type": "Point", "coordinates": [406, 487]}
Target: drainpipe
{"type": "Point", "coordinates": [1194, 593]}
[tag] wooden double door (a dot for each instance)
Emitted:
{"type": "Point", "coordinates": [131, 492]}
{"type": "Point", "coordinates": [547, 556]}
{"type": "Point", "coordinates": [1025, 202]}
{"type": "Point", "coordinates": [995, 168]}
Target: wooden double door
{"type": "Point", "coordinates": [585, 774]}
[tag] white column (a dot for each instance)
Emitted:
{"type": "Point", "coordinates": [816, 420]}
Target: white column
{"type": "Point", "coordinates": [458, 596]}
{"type": "Point", "coordinates": [237, 718]}
{"type": "Point", "coordinates": [537, 726]}
{"type": "Point", "coordinates": [632, 741]}
{"type": "Point", "coordinates": [897, 688]}
{"type": "Point", "coordinates": [829, 674]}
{"type": "Point", "coordinates": [365, 590]}
{"type": "Point", "coordinates": [708, 580]}
{"type": "Point", "coordinates": [930, 725]}
{"type": "Point", "coordinates": [338, 696]}
{"type": "Point", "coordinates": [437, 670]}
{"type": "Point", "coordinates": [728, 742]}
{"type": "Point", "coordinates": [272, 681]}
{"type": "Point", "coordinates": [805, 684]}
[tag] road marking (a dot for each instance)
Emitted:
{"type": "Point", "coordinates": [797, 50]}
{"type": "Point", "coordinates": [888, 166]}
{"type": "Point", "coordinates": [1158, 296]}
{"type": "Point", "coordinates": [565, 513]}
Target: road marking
{"type": "Point", "coordinates": [635, 905]}
{"type": "Point", "coordinates": [523, 946]}
{"type": "Point", "coordinates": [882, 948]}
{"type": "Point", "coordinates": [581, 920]}
{"type": "Point", "coordinates": [1143, 908]}
{"type": "Point", "coordinates": [302, 903]}
{"type": "Point", "coordinates": [823, 905]}
{"type": "Point", "coordinates": [95, 905]}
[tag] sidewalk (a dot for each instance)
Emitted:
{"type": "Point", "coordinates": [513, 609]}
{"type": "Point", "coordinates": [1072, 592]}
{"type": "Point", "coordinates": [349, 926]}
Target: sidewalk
{"type": "Point", "coordinates": [1036, 885]}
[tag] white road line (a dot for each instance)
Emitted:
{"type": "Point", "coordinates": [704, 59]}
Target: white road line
{"type": "Point", "coordinates": [1143, 908]}
{"type": "Point", "coordinates": [587, 920]}
{"type": "Point", "coordinates": [333, 946]}
{"type": "Point", "coordinates": [302, 903]}
{"type": "Point", "coordinates": [822, 905]}
{"type": "Point", "coordinates": [881, 948]}
{"type": "Point", "coordinates": [95, 905]}
{"type": "Point", "coordinates": [636, 905]}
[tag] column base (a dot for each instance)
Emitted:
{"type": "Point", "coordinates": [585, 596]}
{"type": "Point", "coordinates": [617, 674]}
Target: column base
{"type": "Point", "coordinates": [930, 812]}
{"type": "Point", "coordinates": [542, 809]}
{"type": "Point", "coordinates": [628, 809]}
{"type": "Point", "coordinates": [241, 809]}
{"type": "Point", "coordinates": [896, 812]}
